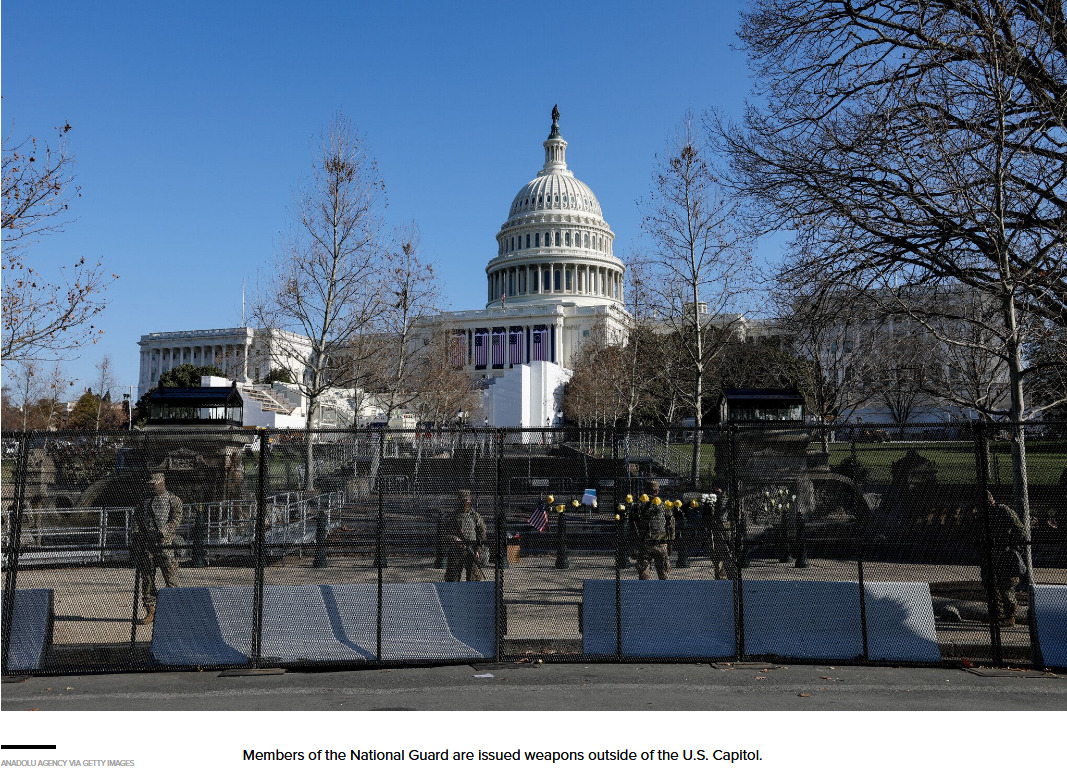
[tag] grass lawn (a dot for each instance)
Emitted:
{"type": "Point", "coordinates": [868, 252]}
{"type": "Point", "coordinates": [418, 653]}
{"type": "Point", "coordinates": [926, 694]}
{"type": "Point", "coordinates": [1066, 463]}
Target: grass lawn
{"type": "Point", "coordinates": [955, 460]}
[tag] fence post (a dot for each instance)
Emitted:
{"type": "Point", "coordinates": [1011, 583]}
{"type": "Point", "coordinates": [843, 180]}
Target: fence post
{"type": "Point", "coordinates": [379, 546]}
{"type": "Point", "coordinates": [199, 536]}
{"type": "Point", "coordinates": [861, 539]}
{"type": "Point", "coordinates": [562, 556]}
{"type": "Point", "coordinates": [622, 558]}
{"type": "Point", "coordinates": [501, 558]}
{"type": "Point", "coordinates": [740, 555]}
{"type": "Point", "coordinates": [500, 610]}
{"type": "Point", "coordinates": [322, 531]}
{"type": "Point", "coordinates": [981, 459]}
{"type": "Point", "coordinates": [260, 540]}
{"type": "Point", "coordinates": [15, 548]}
{"type": "Point", "coordinates": [620, 522]}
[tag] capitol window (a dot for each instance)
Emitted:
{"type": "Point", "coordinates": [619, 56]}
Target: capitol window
{"type": "Point", "coordinates": [537, 240]}
{"type": "Point", "coordinates": [587, 240]}
{"type": "Point", "coordinates": [567, 237]}
{"type": "Point", "coordinates": [557, 237]}
{"type": "Point", "coordinates": [527, 240]}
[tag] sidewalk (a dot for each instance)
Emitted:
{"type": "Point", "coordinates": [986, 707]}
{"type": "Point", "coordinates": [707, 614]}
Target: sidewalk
{"type": "Point", "coordinates": [602, 687]}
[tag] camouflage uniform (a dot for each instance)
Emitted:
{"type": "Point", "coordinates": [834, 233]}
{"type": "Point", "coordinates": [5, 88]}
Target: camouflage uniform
{"type": "Point", "coordinates": [653, 528]}
{"type": "Point", "coordinates": [1007, 533]}
{"type": "Point", "coordinates": [465, 532]}
{"type": "Point", "coordinates": [155, 526]}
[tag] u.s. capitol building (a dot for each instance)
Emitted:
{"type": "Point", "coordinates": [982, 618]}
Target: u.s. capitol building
{"type": "Point", "coordinates": [553, 281]}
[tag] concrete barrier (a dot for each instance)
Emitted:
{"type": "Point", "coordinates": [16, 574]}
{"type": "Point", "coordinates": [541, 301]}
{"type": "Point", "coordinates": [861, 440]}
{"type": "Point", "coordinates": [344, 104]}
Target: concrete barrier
{"type": "Point", "coordinates": [660, 618]}
{"type": "Point", "coordinates": [818, 620]}
{"type": "Point", "coordinates": [325, 623]}
{"type": "Point", "coordinates": [1050, 610]}
{"type": "Point", "coordinates": [31, 629]}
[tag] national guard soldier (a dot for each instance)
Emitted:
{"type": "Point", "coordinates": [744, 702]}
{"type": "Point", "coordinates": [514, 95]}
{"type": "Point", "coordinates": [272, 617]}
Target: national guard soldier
{"type": "Point", "coordinates": [155, 527]}
{"type": "Point", "coordinates": [653, 532]}
{"type": "Point", "coordinates": [719, 532]}
{"type": "Point", "coordinates": [465, 533]}
{"type": "Point", "coordinates": [1007, 534]}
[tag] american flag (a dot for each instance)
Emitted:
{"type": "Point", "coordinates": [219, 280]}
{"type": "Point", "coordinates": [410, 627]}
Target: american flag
{"type": "Point", "coordinates": [539, 518]}
{"type": "Point", "coordinates": [459, 350]}
{"type": "Point", "coordinates": [515, 346]}
{"type": "Point", "coordinates": [539, 345]}
{"type": "Point", "coordinates": [502, 298]}
{"type": "Point", "coordinates": [498, 347]}
{"type": "Point", "coordinates": [481, 339]}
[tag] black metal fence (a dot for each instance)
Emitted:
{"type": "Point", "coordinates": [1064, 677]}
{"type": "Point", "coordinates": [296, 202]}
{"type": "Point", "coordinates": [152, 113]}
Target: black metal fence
{"type": "Point", "coordinates": [159, 550]}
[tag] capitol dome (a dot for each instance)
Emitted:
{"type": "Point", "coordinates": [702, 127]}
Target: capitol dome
{"type": "Point", "coordinates": [555, 245]}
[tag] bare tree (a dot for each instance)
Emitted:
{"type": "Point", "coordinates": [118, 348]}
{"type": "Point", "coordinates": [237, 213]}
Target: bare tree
{"type": "Point", "coordinates": [915, 142]}
{"type": "Point", "coordinates": [43, 316]}
{"type": "Point", "coordinates": [410, 293]}
{"type": "Point", "coordinates": [699, 258]}
{"type": "Point", "coordinates": [641, 343]}
{"type": "Point", "coordinates": [902, 359]}
{"type": "Point", "coordinates": [325, 287]}
{"type": "Point", "coordinates": [1047, 354]}
{"type": "Point", "coordinates": [40, 394]}
{"type": "Point", "coordinates": [833, 329]}
{"type": "Point", "coordinates": [963, 344]}
{"type": "Point", "coordinates": [596, 396]}
{"type": "Point", "coordinates": [442, 390]}
{"type": "Point", "coordinates": [104, 383]}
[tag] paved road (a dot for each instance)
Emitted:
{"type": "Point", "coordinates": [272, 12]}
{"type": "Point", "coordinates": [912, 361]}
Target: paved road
{"type": "Point", "coordinates": [553, 687]}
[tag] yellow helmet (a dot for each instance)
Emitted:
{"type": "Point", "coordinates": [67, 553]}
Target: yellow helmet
{"type": "Point", "coordinates": [629, 498]}
{"type": "Point", "coordinates": [550, 499]}
{"type": "Point", "coordinates": [667, 504]}
{"type": "Point", "coordinates": [575, 503]}
{"type": "Point", "coordinates": [617, 517]}
{"type": "Point", "coordinates": [693, 503]}
{"type": "Point", "coordinates": [656, 500]}
{"type": "Point", "coordinates": [643, 498]}
{"type": "Point", "coordinates": [677, 503]}
{"type": "Point", "coordinates": [621, 508]}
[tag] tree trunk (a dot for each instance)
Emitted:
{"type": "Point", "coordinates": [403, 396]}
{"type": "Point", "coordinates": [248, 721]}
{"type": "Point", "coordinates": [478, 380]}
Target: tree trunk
{"type": "Point", "coordinates": [309, 449]}
{"type": "Point", "coordinates": [1020, 482]}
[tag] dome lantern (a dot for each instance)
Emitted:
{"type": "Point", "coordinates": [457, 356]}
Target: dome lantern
{"type": "Point", "coordinates": [555, 149]}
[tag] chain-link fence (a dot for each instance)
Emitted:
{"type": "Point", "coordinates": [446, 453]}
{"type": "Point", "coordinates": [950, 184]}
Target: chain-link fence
{"type": "Point", "coordinates": [920, 544]}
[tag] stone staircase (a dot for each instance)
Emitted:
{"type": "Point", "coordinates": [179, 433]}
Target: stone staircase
{"type": "Point", "coordinates": [267, 401]}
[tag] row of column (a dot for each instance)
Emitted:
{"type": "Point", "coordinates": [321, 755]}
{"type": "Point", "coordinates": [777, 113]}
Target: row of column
{"type": "Point", "coordinates": [555, 278]}
{"type": "Point", "coordinates": [232, 359]}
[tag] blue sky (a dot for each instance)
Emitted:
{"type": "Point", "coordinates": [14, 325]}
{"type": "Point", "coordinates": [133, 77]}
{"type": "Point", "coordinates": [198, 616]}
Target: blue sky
{"type": "Point", "coordinates": [193, 122]}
